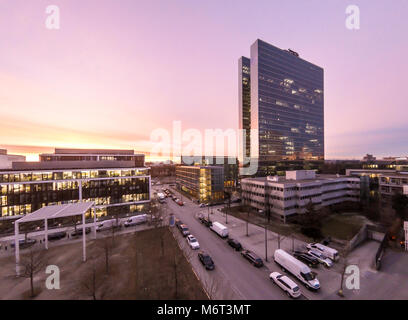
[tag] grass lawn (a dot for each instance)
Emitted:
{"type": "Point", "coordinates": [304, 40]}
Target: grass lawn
{"type": "Point", "coordinates": [342, 226]}
{"type": "Point", "coordinates": [142, 265]}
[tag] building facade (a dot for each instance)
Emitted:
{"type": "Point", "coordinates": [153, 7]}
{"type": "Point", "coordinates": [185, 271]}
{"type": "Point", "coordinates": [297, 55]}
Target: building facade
{"type": "Point", "coordinates": [230, 165]}
{"type": "Point", "coordinates": [244, 106]}
{"type": "Point", "coordinates": [205, 183]}
{"type": "Point", "coordinates": [286, 106]}
{"type": "Point", "coordinates": [114, 185]}
{"type": "Point", "coordinates": [6, 160]}
{"type": "Point", "coordinates": [285, 197]}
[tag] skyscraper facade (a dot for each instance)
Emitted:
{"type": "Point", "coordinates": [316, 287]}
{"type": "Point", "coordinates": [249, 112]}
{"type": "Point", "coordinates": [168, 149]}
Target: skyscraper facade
{"type": "Point", "coordinates": [286, 109]}
{"type": "Point", "coordinates": [244, 101]}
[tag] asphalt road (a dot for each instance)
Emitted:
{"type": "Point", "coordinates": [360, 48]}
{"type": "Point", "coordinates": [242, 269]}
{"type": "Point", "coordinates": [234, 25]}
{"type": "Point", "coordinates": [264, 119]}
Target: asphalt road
{"type": "Point", "coordinates": [247, 281]}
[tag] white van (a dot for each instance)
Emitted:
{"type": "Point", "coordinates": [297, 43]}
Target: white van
{"type": "Point", "coordinates": [107, 224]}
{"type": "Point", "coordinates": [331, 253]}
{"type": "Point", "coordinates": [296, 268]}
{"type": "Point", "coordinates": [219, 229]}
{"type": "Point", "coordinates": [139, 219]}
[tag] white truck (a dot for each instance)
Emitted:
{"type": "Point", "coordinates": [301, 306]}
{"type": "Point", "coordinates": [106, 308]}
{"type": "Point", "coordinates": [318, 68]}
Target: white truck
{"type": "Point", "coordinates": [219, 229]}
{"type": "Point", "coordinates": [325, 250]}
{"type": "Point", "coordinates": [296, 268]}
{"type": "Point", "coordinates": [107, 225]}
{"type": "Point", "coordinates": [135, 220]}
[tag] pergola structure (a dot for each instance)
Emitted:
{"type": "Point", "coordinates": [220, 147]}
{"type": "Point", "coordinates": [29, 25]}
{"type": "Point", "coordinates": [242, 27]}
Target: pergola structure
{"type": "Point", "coordinates": [54, 212]}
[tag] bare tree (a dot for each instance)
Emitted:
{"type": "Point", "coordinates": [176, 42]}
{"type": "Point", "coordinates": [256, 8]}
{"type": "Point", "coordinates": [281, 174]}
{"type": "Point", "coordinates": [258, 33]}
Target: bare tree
{"type": "Point", "coordinates": [91, 281]}
{"type": "Point", "coordinates": [32, 263]}
{"type": "Point", "coordinates": [344, 264]}
{"type": "Point", "coordinates": [106, 244]}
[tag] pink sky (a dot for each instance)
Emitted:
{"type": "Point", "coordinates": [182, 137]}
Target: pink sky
{"type": "Point", "coordinates": [117, 70]}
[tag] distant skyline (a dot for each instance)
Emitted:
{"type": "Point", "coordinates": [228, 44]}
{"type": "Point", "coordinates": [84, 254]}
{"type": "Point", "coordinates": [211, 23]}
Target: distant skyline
{"type": "Point", "coordinates": [116, 71]}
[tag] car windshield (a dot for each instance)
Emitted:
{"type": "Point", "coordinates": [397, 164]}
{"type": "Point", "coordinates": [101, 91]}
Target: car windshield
{"type": "Point", "coordinates": [207, 259]}
{"type": "Point", "coordinates": [295, 289]}
{"type": "Point", "coordinates": [308, 276]}
{"type": "Point", "coordinates": [185, 229]}
{"type": "Point", "coordinates": [193, 240]}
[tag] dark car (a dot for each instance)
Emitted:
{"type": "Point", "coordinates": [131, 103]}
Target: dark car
{"type": "Point", "coordinates": [235, 244]}
{"type": "Point", "coordinates": [78, 231]}
{"type": "Point", "coordinates": [206, 260]}
{"type": "Point", "coordinates": [178, 223]}
{"type": "Point", "coordinates": [205, 221]}
{"type": "Point", "coordinates": [57, 235]}
{"type": "Point", "coordinates": [306, 258]}
{"type": "Point", "coordinates": [253, 258]}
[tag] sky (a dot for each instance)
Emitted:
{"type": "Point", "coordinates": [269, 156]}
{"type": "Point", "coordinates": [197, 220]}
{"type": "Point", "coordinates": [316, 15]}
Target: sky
{"type": "Point", "coordinates": [116, 71]}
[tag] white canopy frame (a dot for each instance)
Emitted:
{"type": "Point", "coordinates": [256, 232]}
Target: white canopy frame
{"type": "Point", "coordinates": [53, 212]}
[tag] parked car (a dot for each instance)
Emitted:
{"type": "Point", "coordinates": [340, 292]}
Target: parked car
{"type": "Point", "coordinates": [306, 258]}
{"type": "Point", "coordinates": [235, 244]}
{"type": "Point", "coordinates": [192, 242]}
{"type": "Point", "coordinates": [286, 284]}
{"type": "Point", "coordinates": [204, 220]}
{"type": "Point", "coordinates": [184, 230]}
{"type": "Point", "coordinates": [178, 223]}
{"type": "Point", "coordinates": [57, 235]}
{"type": "Point", "coordinates": [327, 251]}
{"type": "Point", "coordinates": [22, 243]}
{"type": "Point", "coordinates": [135, 220]}
{"type": "Point", "coordinates": [206, 260]}
{"type": "Point", "coordinates": [321, 258]}
{"type": "Point", "coordinates": [180, 203]}
{"type": "Point", "coordinates": [202, 205]}
{"type": "Point", "coordinates": [78, 231]}
{"type": "Point", "coordinates": [297, 269]}
{"type": "Point", "coordinates": [253, 258]}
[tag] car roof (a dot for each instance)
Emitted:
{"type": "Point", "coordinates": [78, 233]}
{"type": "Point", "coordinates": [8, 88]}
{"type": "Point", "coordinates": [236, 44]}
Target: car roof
{"type": "Point", "coordinates": [288, 281]}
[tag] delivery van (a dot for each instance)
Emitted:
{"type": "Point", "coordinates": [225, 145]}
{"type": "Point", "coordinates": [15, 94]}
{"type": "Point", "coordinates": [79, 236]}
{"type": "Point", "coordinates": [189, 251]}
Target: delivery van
{"type": "Point", "coordinates": [135, 220]}
{"type": "Point", "coordinates": [296, 268]}
{"type": "Point", "coordinates": [219, 229]}
{"type": "Point", "coordinates": [107, 225]}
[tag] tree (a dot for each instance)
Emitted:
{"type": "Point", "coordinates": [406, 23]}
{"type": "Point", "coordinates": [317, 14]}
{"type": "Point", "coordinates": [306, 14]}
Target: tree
{"type": "Point", "coordinates": [227, 195]}
{"type": "Point", "coordinates": [32, 263]}
{"type": "Point", "coordinates": [91, 280]}
{"type": "Point", "coordinates": [311, 221]}
{"type": "Point", "coordinates": [106, 244]}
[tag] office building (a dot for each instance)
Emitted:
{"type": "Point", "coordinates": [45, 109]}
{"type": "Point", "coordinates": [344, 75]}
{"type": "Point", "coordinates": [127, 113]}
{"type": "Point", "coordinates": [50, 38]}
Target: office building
{"type": "Point", "coordinates": [230, 165]}
{"type": "Point", "coordinates": [205, 183]}
{"type": "Point", "coordinates": [285, 197]}
{"type": "Point", "coordinates": [286, 106]}
{"type": "Point", "coordinates": [6, 159]}
{"type": "Point", "coordinates": [116, 180]}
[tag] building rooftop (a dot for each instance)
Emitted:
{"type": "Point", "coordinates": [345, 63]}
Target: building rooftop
{"type": "Point", "coordinates": [283, 180]}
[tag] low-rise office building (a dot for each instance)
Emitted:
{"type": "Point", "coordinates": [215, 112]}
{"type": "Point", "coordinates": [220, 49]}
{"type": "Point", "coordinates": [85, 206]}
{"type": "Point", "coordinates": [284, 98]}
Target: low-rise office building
{"type": "Point", "coordinates": [114, 185]}
{"type": "Point", "coordinates": [205, 183]}
{"type": "Point", "coordinates": [6, 160]}
{"type": "Point", "coordinates": [230, 165]}
{"type": "Point", "coordinates": [393, 183]}
{"type": "Point", "coordinates": [288, 196]}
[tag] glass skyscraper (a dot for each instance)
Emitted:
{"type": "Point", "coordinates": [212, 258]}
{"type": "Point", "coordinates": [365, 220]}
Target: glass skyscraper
{"type": "Point", "coordinates": [286, 106]}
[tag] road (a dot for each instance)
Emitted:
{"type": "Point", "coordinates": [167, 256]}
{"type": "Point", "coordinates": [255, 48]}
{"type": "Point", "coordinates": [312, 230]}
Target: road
{"type": "Point", "coordinates": [245, 280]}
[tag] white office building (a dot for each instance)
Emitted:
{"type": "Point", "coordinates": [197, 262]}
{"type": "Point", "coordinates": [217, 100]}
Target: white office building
{"type": "Point", "coordinates": [288, 196]}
